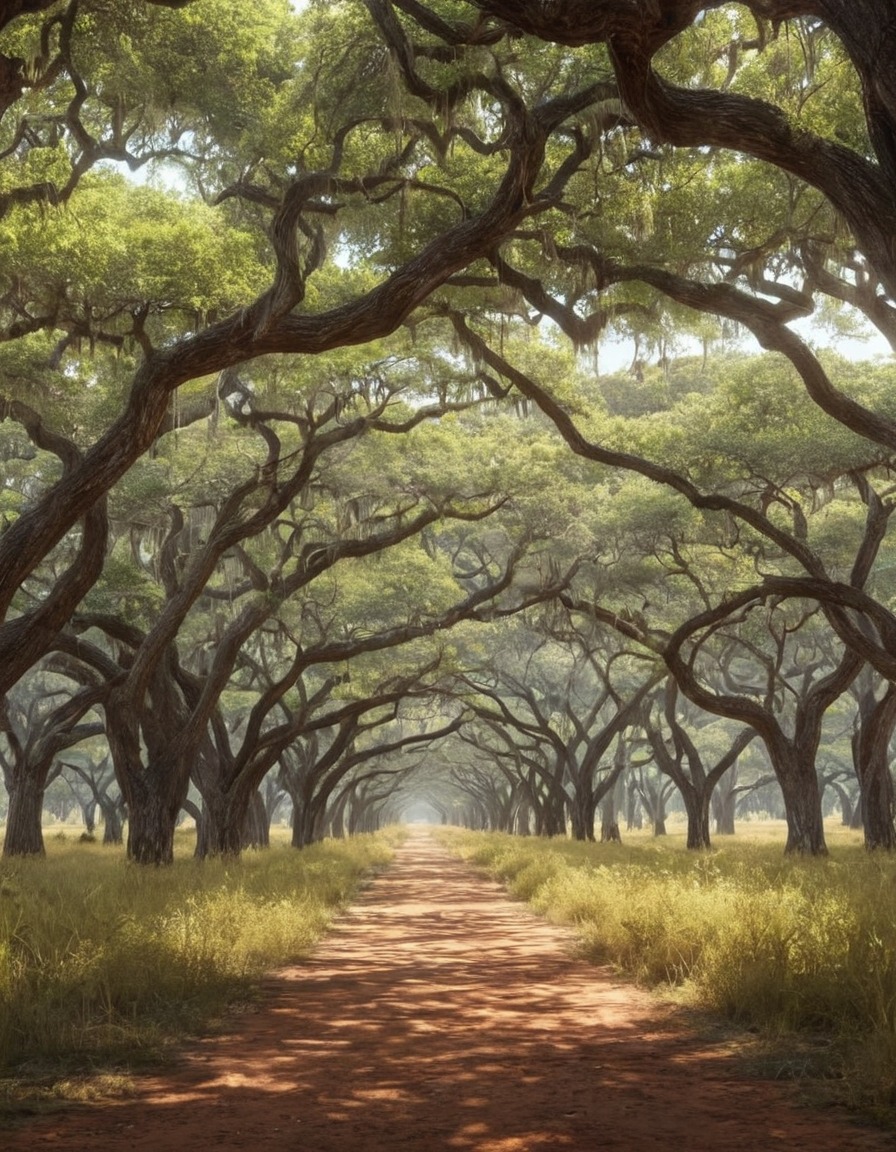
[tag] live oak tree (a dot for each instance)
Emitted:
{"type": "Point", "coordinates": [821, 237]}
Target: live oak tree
{"type": "Point", "coordinates": [92, 768]}
{"type": "Point", "coordinates": [427, 788]}
{"type": "Point", "coordinates": [791, 740]}
{"type": "Point", "coordinates": [330, 162]}
{"type": "Point", "coordinates": [606, 166]}
{"type": "Point", "coordinates": [47, 715]}
{"type": "Point", "coordinates": [719, 111]}
{"type": "Point", "coordinates": [499, 747]}
{"type": "Point", "coordinates": [344, 749]}
{"type": "Point", "coordinates": [284, 529]}
{"type": "Point", "coordinates": [491, 796]}
{"type": "Point", "coordinates": [871, 740]}
{"type": "Point", "coordinates": [558, 698]}
{"type": "Point", "coordinates": [661, 563]}
{"type": "Point", "coordinates": [731, 277]}
{"type": "Point", "coordinates": [675, 741]}
{"type": "Point", "coordinates": [732, 794]}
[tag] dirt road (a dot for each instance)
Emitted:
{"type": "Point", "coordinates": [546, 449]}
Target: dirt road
{"type": "Point", "coordinates": [440, 1015]}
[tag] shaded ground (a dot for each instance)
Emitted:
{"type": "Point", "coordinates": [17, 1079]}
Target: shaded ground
{"type": "Point", "coordinates": [440, 1015]}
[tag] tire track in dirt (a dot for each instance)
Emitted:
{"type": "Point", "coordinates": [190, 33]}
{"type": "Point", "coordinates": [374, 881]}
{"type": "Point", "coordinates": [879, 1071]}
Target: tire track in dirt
{"type": "Point", "coordinates": [439, 1015]}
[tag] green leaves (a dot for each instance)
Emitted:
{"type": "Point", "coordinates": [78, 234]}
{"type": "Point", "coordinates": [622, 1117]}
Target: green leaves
{"type": "Point", "coordinates": [117, 248]}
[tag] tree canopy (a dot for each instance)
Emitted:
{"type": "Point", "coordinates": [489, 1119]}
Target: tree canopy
{"type": "Point", "coordinates": [301, 313]}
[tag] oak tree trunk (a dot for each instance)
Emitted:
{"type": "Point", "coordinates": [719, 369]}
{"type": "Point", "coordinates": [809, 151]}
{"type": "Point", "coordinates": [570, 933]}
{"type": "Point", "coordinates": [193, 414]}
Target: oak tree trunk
{"type": "Point", "coordinates": [302, 822]}
{"type": "Point", "coordinates": [877, 806]}
{"type": "Point", "coordinates": [24, 836]}
{"type": "Point", "coordinates": [151, 824]}
{"type": "Point", "coordinates": [609, 822]}
{"type": "Point", "coordinates": [696, 806]}
{"type": "Point", "coordinates": [256, 829]}
{"type": "Point", "coordinates": [871, 755]}
{"type": "Point", "coordinates": [724, 804]}
{"type": "Point", "coordinates": [582, 808]}
{"type": "Point", "coordinates": [802, 802]}
{"type": "Point", "coordinates": [113, 824]}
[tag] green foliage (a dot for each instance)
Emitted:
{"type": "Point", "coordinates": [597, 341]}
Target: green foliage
{"type": "Point", "coordinates": [125, 590]}
{"type": "Point", "coordinates": [392, 588]}
{"type": "Point", "coordinates": [755, 422]}
{"type": "Point", "coordinates": [118, 246]}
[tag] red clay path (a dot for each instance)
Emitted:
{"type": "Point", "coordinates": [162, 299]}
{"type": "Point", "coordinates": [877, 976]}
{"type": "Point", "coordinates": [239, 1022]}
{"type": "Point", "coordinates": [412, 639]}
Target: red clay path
{"type": "Point", "coordinates": [440, 1015]}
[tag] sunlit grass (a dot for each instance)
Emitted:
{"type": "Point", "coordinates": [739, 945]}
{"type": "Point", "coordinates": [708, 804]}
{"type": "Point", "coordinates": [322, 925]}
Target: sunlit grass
{"type": "Point", "coordinates": [787, 946]}
{"type": "Point", "coordinates": [104, 963]}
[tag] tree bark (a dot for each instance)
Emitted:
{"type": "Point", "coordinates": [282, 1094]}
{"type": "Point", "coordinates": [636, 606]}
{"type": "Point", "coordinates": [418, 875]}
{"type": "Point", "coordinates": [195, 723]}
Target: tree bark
{"type": "Point", "coordinates": [634, 819]}
{"type": "Point", "coordinates": [582, 808]}
{"type": "Point", "coordinates": [229, 820]}
{"type": "Point", "coordinates": [88, 815]}
{"type": "Point", "coordinates": [113, 824]}
{"type": "Point", "coordinates": [154, 794]}
{"type": "Point", "coordinates": [871, 754]}
{"type": "Point", "coordinates": [255, 829]}
{"type": "Point", "coordinates": [877, 811]}
{"type": "Point", "coordinates": [24, 836]}
{"type": "Point", "coordinates": [724, 804]}
{"type": "Point", "coordinates": [609, 823]}
{"type": "Point", "coordinates": [337, 816]}
{"type": "Point", "coordinates": [151, 824]}
{"type": "Point", "coordinates": [696, 806]}
{"type": "Point", "coordinates": [553, 809]}
{"type": "Point", "coordinates": [798, 779]}
{"type": "Point", "coordinates": [302, 822]}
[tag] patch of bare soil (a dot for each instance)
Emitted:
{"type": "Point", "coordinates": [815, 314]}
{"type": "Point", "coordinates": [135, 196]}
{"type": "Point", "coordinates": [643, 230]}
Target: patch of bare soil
{"type": "Point", "coordinates": [440, 1015]}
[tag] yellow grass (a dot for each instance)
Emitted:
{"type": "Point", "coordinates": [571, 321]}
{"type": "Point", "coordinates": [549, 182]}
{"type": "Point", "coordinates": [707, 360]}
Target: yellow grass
{"type": "Point", "coordinates": [103, 963]}
{"type": "Point", "coordinates": [789, 946]}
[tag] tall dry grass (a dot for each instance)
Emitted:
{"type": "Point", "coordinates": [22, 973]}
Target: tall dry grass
{"type": "Point", "coordinates": [102, 961]}
{"type": "Point", "coordinates": [789, 946]}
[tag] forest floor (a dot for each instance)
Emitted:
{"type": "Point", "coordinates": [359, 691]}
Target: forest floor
{"type": "Point", "coordinates": [438, 1014]}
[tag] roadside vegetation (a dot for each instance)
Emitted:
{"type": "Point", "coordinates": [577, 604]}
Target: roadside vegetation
{"type": "Point", "coordinates": [103, 966]}
{"type": "Point", "coordinates": [800, 951]}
